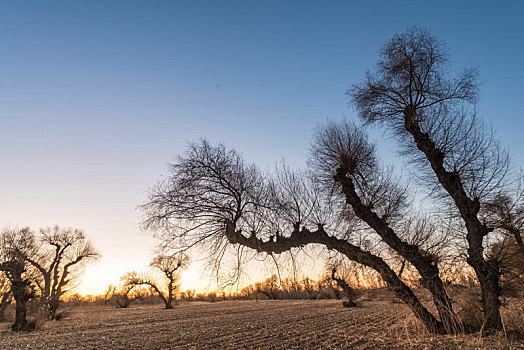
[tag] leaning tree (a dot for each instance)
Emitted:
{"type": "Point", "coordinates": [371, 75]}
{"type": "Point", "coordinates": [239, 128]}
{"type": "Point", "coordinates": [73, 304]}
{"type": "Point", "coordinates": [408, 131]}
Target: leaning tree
{"type": "Point", "coordinates": [214, 198]}
{"type": "Point", "coordinates": [348, 201]}
{"type": "Point", "coordinates": [348, 291]}
{"type": "Point", "coordinates": [456, 155]}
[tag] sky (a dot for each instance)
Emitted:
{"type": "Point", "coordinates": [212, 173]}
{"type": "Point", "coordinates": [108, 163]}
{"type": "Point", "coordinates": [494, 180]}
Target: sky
{"type": "Point", "coordinates": [97, 97]}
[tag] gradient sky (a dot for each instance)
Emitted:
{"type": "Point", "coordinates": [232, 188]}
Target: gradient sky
{"type": "Point", "coordinates": [96, 97]}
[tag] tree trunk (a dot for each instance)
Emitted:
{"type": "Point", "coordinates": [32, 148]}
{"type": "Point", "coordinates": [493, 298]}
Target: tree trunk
{"type": "Point", "coordinates": [54, 304]}
{"type": "Point", "coordinates": [348, 291]}
{"type": "Point", "coordinates": [487, 272]}
{"type": "Point", "coordinates": [169, 302]}
{"type": "Point", "coordinates": [426, 267]}
{"type": "Point", "coordinates": [20, 313]}
{"type": "Point", "coordinates": [301, 237]}
{"type": "Point", "coordinates": [21, 293]}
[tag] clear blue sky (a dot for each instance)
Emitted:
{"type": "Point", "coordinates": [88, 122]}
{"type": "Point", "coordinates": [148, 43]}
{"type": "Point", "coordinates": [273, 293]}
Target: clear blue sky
{"type": "Point", "coordinates": [97, 96]}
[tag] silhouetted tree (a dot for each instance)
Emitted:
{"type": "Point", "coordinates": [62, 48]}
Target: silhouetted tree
{"type": "Point", "coordinates": [166, 286]}
{"type": "Point", "coordinates": [345, 160]}
{"type": "Point", "coordinates": [188, 295]}
{"type": "Point", "coordinates": [348, 291]}
{"type": "Point", "coordinates": [269, 287]}
{"type": "Point", "coordinates": [58, 257]}
{"type": "Point", "coordinates": [12, 241]}
{"type": "Point", "coordinates": [108, 295]}
{"type": "Point", "coordinates": [457, 155]}
{"type": "Point", "coordinates": [309, 286]}
{"type": "Point", "coordinates": [214, 198]}
{"type": "Point", "coordinates": [125, 296]}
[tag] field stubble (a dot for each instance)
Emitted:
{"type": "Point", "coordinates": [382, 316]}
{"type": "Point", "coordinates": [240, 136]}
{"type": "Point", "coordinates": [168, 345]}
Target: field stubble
{"type": "Point", "coordinates": [303, 324]}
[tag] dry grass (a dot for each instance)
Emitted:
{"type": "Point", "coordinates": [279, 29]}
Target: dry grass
{"type": "Point", "coordinates": [286, 324]}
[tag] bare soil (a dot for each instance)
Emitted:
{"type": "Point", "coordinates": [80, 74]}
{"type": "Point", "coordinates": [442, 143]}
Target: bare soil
{"type": "Point", "coordinates": [267, 324]}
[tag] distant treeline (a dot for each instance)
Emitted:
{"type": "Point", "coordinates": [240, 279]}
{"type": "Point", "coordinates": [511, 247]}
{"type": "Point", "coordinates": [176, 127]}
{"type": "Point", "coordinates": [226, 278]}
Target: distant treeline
{"type": "Point", "coordinates": [272, 288]}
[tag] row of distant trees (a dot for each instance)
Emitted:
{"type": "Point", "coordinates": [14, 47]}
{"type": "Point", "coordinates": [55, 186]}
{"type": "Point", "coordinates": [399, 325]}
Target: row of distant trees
{"type": "Point", "coordinates": [162, 281]}
{"type": "Point", "coordinates": [146, 287]}
{"type": "Point", "coordinates": [330, 286]}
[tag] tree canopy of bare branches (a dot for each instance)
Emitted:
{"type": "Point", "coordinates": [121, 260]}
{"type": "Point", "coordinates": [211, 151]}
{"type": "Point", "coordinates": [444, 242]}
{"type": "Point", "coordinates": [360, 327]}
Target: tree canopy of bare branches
{"type": "Point", "coordinates": [55, 256]}
{"type": "Point", "coordinates": [165, 285]}
{"type": "Point", "coordinates": [61, 253]}
{"type": "Point", "coordinates": [12, 241]}
{"type": "Point", "coordinates": [207, 200]}
{"type": "Point", "coordinates": [411, 95]}
{"type": "Point", "coordinates": [348, 201]}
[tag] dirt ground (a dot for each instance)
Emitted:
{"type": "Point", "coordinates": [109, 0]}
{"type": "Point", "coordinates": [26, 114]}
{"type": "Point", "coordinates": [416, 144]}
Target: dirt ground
{"type": "Point", "coordinates": [268, 324]}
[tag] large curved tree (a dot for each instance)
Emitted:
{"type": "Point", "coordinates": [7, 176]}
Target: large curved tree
{"type": "Point", "coordinates": [214, 198]}
{"type": "Point", "coordinates": [413, 97]}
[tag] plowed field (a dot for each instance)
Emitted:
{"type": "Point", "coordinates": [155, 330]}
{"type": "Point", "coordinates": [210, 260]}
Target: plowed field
{"type": "Point", "coordinates": [243, 325]}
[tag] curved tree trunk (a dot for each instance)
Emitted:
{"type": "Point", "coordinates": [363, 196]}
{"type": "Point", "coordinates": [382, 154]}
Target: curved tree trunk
{"type": "Point", "coordinates": [426, 267]}
{"type": "Point", "coordinates": [302, 237]}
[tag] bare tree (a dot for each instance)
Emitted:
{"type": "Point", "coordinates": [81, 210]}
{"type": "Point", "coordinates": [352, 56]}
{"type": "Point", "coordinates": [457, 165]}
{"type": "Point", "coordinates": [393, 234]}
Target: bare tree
{"type": "Point", "coordinates": [12, 241]}
{"type": "Point", "coordinates": [60, 255]}
{"type": "Point", "coordinates": [457, 154]}
{"type": "Point", "coordinates": [348, 291]}
{"type": "Point", "coordinates": [170, 266]}
{"type": "Point", "coordinates": [269, 287]}
{"type": "Point", "coordinates": [108, 294]}
{"type": "Point", "coordinates": [167, 285]}
{"type": "Point", "coordinates": [506, 213]}
{"type": "Point", "coordinates": [128, 293]}
{"type": "Point", "coordinates": [214, 198]}
{"type": "Point", "coordinates": [345, 160]}
{"type": "Point", "coordinates": [189, 294]}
